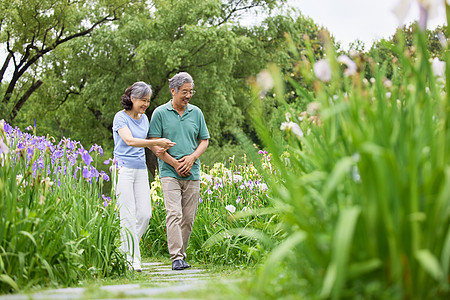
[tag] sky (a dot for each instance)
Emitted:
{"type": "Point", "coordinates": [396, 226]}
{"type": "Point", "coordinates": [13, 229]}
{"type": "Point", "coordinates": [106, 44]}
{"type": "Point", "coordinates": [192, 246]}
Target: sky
{"type": "Point", "coordinates": [366, 20]}
{"type": "Point", "coordinates": [349, 20]}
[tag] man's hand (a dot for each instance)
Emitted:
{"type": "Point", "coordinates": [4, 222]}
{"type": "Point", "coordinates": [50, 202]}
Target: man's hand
{"type": "Point", "coordinates": [182, 174]}
{"type": "Point", "coordinates": [185, 165]}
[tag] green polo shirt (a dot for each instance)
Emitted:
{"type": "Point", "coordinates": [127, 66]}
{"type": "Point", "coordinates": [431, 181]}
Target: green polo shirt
{"type": "Point", "coordinates": [185, 131]}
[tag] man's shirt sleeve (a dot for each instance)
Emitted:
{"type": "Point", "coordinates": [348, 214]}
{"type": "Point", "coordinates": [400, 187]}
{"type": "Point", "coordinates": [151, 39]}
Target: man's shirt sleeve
{"type": "Point", "coordinates": [155, 129]}
{"type": "Point", "coordinates": [203, 133]}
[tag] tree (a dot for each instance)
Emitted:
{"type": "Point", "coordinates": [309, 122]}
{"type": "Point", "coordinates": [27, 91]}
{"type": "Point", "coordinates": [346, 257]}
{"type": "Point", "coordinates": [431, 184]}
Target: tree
{"type": "Point", "coordinates": [31, 29]}
{"type": "Point", "coordinates": [88, 75]}
{"type": "Point", "coordinates": [85, 77]}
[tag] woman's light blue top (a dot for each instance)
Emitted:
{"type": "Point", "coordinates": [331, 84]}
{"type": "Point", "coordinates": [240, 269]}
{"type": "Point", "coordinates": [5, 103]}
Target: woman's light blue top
{"type": "Point", "coordinates": [127, 156]}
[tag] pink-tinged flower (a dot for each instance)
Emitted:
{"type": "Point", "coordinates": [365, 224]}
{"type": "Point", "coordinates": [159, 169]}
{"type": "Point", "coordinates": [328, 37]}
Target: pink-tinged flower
{"type": "Point", "coordinates": [351, 65]}
{"type": "Point", "coordinates": [231, 208]}
{"type": "Point", "coordinates": [322, 69]}
{"type": "Point", "coordinates": [438, 67]}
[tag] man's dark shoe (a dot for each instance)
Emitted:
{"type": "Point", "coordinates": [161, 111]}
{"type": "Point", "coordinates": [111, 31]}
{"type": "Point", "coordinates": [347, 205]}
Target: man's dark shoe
{"type": "Point", "coordinates": [178, 264]}
{"type": "Point", "coordinates": [185, 264]}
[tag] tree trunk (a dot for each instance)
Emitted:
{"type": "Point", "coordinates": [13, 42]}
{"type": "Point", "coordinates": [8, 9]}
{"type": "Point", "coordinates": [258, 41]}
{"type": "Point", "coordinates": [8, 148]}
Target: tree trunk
{"type": "Point", "coordinates": [23, 99]}
{"type": "Point", "coordinates": [152, 162]}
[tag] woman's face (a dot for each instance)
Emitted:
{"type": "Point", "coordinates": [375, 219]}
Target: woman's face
{"type": "Point", "coordinates": [140, 105]}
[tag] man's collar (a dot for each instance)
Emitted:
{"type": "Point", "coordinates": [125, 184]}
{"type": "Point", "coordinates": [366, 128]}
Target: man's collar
{"type": "Point", "coordinates": [170, 107]}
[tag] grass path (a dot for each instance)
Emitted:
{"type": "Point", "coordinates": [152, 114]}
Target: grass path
{"type": "Point", "coordinates": [156, 281]}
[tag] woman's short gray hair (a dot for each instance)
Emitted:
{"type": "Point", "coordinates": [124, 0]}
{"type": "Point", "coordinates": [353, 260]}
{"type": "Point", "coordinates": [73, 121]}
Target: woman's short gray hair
{"type": "Point", "coordinates": [141, 90]}
{"type": "Point", "coordinates": [179, 79]}
{"type": "Point", "coordinates": [138, 90]}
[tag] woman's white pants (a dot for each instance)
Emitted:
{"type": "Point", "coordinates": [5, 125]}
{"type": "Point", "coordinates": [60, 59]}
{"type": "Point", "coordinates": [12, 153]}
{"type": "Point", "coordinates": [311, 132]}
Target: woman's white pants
{"type": "Point", "coordinates": [135, 209]}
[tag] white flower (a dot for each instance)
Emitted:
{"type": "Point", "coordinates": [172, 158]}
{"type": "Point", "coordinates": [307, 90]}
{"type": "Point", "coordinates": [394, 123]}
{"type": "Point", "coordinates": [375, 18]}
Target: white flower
{"type": "Point", "coordinates": [263, 186]}
{"type": "Point", "coordinates": [355, 174]}
{"type": "Point", "coordinates": [294, 127]}
{"type": "Point", "coordinates": [427, 8]}
{"type": "Point", "coordinates": [438, 67]}
{"type": "Point", "coordinates": [288, 116]}
{"type": "Point", "coordinates": [351, 65]}
{"type": "Point", "coordinates": [322, 70]}
{"type": "Point", "coordinates": [313, 108]}
{"type": "Point", "coordinates": [3, 147]}
{"type": "Point", "coordinates": [246, 209]}
{"type": "Point", "coordinates": [387, 83]}
{"type": "Point", "coordinates": [265, 81]}
{"type": "Point", "coordinates": [207, 177]}
{"type": "Point", "coordinates": [237, 178]}
{"type": "Point", "coordinates": [231, 208]}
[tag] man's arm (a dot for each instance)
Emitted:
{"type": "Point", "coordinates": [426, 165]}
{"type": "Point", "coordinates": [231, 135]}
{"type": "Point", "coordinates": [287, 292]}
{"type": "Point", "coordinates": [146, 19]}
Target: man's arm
{"type": "Point", "coordinates": [186, 162]}
{"type": "Point", "coordinates": [162, 154]}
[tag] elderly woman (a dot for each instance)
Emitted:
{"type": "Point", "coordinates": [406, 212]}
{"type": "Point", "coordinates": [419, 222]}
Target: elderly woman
{"type": "Point", "coordinates": [130, 128]}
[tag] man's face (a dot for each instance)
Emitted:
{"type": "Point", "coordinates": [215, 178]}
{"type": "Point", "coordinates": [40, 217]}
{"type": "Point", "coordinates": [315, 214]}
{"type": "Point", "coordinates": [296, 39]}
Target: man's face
{"type": "Point", "coordinates": [184, 94]}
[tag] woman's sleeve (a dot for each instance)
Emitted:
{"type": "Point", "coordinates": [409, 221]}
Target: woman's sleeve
{"type": "Point", "coordinates": [119, 122]}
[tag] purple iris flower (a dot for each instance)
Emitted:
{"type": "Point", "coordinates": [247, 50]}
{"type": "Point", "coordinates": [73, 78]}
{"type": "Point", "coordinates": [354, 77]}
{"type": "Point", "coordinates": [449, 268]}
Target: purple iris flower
{"type": "Point", "coordinates": [86, 157]}
{"type": "Point", "coordinates": [200, 200]}
{"type": "Point", "coordinates": [86, 173]}
{"type": "Point", "coordinates": [30, 152]}
{"type": "Point", "coordinates": [107, 162]}
{"type": "Point", "coordinates": [75, 173]}
{"type": "Point", "coordinates": [96, 148]}
{"type": "Point", "coordinates": [72, 158]}
{"type": "Point", "coordinates": [41, 163]}
{"type": "Point", "coordinates": [104, 176]}
{"type": "Point", "coordinates": [8, 129]}
{"type": "Point", "coordinates": [69, 144]}
{"type": "Point", "coordinates": [41, 146]}
{"type": "Point", "coordinates": [94, 172]}
{"type": "Point", "coordinates": [107, 200]}
{"type": "Point", "coordinates": [35, 167]}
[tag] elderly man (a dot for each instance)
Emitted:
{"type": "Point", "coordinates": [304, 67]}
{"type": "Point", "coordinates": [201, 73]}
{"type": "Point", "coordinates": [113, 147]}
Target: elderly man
{"type": "Point", "coordinates": [179, 167]}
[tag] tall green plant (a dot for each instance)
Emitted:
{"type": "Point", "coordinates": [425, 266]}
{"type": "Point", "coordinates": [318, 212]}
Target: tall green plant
{"type": "Point", "coordinates": [364, 194]}
{"type": "Point", "coordinates": [55, 228]}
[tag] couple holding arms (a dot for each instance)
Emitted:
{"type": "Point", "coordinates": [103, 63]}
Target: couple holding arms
{"type": "Point", "coordinates": [178, 135]}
